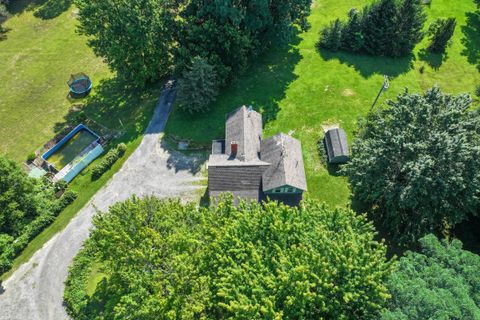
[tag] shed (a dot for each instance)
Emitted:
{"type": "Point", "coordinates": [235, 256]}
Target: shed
{"type": "Point", "coordinates": [336, 145]}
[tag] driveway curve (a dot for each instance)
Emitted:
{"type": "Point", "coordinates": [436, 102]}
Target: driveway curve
{"type": "Point", "coordinates": [35, 290]}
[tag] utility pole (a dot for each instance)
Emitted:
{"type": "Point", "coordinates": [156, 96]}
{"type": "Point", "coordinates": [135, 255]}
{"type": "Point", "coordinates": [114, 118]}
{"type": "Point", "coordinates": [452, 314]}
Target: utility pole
{"type": "Point", "coordinates": [385, 86]}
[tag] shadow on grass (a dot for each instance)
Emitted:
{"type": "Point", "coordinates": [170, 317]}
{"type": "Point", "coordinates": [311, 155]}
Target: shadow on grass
{"type": "Point", "coordinates": [117, 107]}
{"type": "Point", "coordinates": [471, 40]}
{"type": "Point", "coordinates": [368, 65]}
{"type": "Point", "coordinates": [179, 161]}
{"type": "Point", "coordinates": [434, 60]}
{"type": "Point", "coordinates": [262, 86]}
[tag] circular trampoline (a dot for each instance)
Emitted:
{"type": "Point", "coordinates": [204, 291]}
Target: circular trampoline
{"type": "Point", "coordinates": [80, 85]}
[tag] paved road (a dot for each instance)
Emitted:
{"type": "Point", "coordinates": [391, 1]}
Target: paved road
{"type": "Point", "coordinates": [35, 290]}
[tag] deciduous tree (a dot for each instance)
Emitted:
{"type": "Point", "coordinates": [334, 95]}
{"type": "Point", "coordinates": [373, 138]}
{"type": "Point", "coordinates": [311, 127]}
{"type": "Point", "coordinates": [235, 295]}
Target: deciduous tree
{"type": "Point", "coordinates": [166, 260]}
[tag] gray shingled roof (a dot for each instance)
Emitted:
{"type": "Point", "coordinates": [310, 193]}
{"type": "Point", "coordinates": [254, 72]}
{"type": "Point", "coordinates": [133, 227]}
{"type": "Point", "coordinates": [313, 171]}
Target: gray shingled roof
{"type": "Point", "coordinates": [244, 126]}
{"type": "Point", "coordinates": [284, 153]}
{"type": "Point", "coordinates": [336, 145]}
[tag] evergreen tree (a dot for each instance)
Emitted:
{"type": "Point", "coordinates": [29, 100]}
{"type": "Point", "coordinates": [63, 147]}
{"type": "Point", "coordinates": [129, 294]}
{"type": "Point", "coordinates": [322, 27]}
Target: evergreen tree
{"type": "Point", "coordinates": [198, 86]}
{"type": "Point", "coordinates": [440, 32]}
{"type": "Point", "coordinates": [384, 28]}
{"type": "Point", "coordinates": [380, 28]}
{"type": "Point", "coordinates": [332, 36]}
{"type": "Point", "coordinates": [442, 281]}
{"type": "Point", "coordinates": [417, 164]}
{"type": "Point", "coordinates": [410, 20]}
{"type": "Point", "coordinates": [352, 33]}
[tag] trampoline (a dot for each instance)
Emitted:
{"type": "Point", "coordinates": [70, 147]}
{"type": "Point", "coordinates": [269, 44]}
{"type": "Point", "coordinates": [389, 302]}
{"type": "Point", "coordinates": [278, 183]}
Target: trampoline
{"type": "Point", "coordinates": [80, 85]}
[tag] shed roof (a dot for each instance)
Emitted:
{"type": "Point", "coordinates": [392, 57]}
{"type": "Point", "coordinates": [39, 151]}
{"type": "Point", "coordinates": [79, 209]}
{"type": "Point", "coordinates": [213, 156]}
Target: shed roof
{"type": "Point", "coordinates": [244, 126]}
{"type": "Point", "coordinates": [336, 143]}
{"type": "Point", "coordinates": [284, 153]}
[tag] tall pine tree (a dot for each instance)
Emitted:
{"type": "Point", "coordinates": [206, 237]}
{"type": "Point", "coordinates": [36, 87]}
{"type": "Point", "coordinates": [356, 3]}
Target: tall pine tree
{"type": "Point", "coordinates": [410, 21]}
{"type": "Point", "coordinates": [380, 28]}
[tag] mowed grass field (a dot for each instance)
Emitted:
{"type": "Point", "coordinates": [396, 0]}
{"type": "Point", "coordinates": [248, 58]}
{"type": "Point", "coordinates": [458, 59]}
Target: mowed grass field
{"type": "Point", "coordinates": [299, 89]}
{"type": "Point", "coordinates": [36, 61]}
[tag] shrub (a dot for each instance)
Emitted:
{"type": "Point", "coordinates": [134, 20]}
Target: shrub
{"type": "Point", "coordinates": [32, 156]}
{"type": "Point", "coordinates": [67, 198]}
{"type": "Point", "coordinates": [107, 162]}
{"type": "Point", "coordinates": [60, 185]}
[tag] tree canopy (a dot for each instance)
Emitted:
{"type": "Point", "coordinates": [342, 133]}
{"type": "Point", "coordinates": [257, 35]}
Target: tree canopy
{"type": "Point", "coordinates": [165, 260]}
{"type": "Point", "coordinates": [27, 205]}
{"type": "Point", "coordinates": [148, 39]}
{"type": "Point", "coordinates": [416, 163]}
{"type": "Point", "coordinates": [442, 281]}
{"type": "Point", "coordinates": [383, 28]}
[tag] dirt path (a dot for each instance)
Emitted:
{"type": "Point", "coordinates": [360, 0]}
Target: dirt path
{"type": "Point", "coordinates": [35, 290]}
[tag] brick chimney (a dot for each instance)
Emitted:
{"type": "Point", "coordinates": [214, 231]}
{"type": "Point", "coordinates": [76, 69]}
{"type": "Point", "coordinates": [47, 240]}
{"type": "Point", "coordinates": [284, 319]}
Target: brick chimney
{"type": "Point", "coordinates": [234, 148]}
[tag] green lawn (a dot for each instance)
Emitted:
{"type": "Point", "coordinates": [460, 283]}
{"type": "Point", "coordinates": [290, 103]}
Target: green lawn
{"type": "Point", "coordinates": [36, 60]}
{"type": "Point", "coordinates": [301, 89]}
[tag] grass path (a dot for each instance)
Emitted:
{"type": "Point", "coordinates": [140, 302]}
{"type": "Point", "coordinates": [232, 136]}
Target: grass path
{"type": "Point", "coordinates": [300, 89]}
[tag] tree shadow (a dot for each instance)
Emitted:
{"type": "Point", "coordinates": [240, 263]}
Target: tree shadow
{"type": "Point", "coordinates": [368, 65]}
{"type": "Point", "coordinates": [434, 60]}
{"type": "Point", "coordinates": [116, 107]}
{"type": "Point", "coordinates": [471, 40]}
{"type": "Point", "coordinates": [44, 9]}
{"type": "Point", "coordinates": [263, 86]}
{"type": "Point", "coordinates": [182, 162]}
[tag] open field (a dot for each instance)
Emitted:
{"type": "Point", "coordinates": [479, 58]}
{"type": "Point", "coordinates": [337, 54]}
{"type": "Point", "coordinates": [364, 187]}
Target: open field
{"type": "Point", "coordinates": [36, 60]}
{"type": "Point", "coordinates": [300, 89]}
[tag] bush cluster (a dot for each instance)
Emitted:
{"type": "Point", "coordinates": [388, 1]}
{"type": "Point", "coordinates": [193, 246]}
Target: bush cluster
{"type": "Point", "coordinates": [107, 162]}
{"type": "Point", "coordinates": [27, 206]}
{"type": "Point", "coordinates": [384, 28]}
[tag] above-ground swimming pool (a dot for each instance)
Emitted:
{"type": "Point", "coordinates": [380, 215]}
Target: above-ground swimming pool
{"type": "Point", "coordinates": [73, 153]}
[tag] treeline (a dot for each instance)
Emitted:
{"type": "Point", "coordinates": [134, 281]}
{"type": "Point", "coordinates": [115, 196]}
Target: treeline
{"type": "Point", "coordinates": [149, 39]}
{"type": "Point", "coordinates": [164, 260]}
{"type": "Point", "coordinates": [27, 206]}
{"type": "Point", "coordinates": [386, 28]}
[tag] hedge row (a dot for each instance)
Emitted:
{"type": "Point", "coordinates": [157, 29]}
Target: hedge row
{"type": "Point", "coordinates": [107, 162]}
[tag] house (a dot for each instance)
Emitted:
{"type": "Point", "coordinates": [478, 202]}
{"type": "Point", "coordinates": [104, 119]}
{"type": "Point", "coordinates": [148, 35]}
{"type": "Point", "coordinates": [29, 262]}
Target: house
{"type": "Point", "coordinates": [252, 168]}
{"type": "Point", "coordinates": [336, 145]}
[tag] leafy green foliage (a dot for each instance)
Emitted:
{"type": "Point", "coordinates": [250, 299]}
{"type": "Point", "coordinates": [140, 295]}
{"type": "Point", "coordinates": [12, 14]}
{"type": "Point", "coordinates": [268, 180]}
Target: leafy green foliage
{"type": "Point", "coordinates": [384, 28]}
{"type": "Point", "coordinates": [442, 281]}
{"type": "Point", "coordinates": [165, 260]}
{"type": "Point", "coordinates": [107, 162]}
{"type": "Point", "coordinates": [27, 206]}
{"type": "Point", "coordinates": [3, 17]}
{"type": "Point", "coordinates": [134, 37]}
{"type": "Point", "coordinates": [144, 40]}
{"type": "Point", "coordinates": [198, 87]}
{"type": "Point", "coordinates": [440, 32]}
{"type": "Point", "coordinates": [417, 164]}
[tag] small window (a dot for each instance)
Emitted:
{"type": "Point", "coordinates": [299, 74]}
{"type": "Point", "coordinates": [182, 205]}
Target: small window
{"type": "Point", "coordinates": [290, 190]}
{"type": "Point", "coordinates": [277, 190]}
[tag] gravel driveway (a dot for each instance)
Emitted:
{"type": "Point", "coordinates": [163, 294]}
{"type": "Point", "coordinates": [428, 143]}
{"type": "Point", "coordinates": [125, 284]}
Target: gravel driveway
{"type": "Point", "coordinates": [35, 290]}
